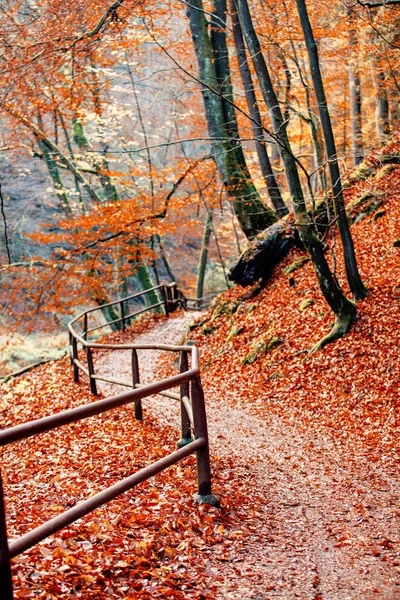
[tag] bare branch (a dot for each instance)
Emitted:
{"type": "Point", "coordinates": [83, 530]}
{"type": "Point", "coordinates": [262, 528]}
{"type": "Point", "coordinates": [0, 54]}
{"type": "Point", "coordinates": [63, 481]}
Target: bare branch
{"type": "Point", "coordinates": [5, 227]}
{"type": "Point", "coordinates": [377, 4]}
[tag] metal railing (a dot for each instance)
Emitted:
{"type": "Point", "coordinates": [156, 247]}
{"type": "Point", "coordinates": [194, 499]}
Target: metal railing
{"type": "Point", "coordinates": [194, 435]}
{"type": "Point", "coordinates": [171, 299]}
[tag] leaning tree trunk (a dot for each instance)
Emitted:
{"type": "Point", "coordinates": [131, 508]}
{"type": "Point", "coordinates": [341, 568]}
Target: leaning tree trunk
{"type": "Point", "coordinates": [353, 276]}
{"type": "Point", "coordinates": [252, 104]}
{"type": "Point", "coordinates": [252, 214]}
{"type": "Point", "coordinates": [342, 307]}
{"type": "Point", "coordinates": [202, 266]}
{"type": "Point", "coordinates": [55, 176]}
{"type": "Point", "coordinates": [100, 166]}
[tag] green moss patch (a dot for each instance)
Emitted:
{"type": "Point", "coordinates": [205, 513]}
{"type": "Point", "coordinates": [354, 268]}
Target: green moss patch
{"type": "Point", "coordinates": [384, 171]}
{"type": "Point", "coordinates": [297, 264]}
{"type": "Point", "coordinates": [224, 308]}
{"type": "Point", "coordinates": [234, 331]}
{"type": "Point", "coordinates": [363, 206]}
{"type": "Point", "coordinates": [261, 346]}
{"type": "Point", "coordinates": [306, 303]}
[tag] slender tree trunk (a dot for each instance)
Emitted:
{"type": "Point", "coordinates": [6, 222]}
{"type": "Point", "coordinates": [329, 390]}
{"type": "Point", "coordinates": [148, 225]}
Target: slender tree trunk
{"type": "Point", "coordinates": [100, 166]}
{"type": "Point", "coordinates": [55, 176]}
{"type": "Point", "coordinates": [355, 95]}
{"type": "Point", "coordinates": [110, 313]}
{"type": "Point", "coordinates": [164, 259]}
{"type": "Point", "coordinates": [54, 172]}
{"type": "Point", "coordinates": [356, 285]}
{"type": "Point", "coordinates": [252, 104]}
{"type": "Point", "coordinates": [71, 154]}
{"type": "Point", "coordinates": [144, 277]}
{"type": "Point", "coordinates": [394, 109]}
{"type": "Point", "coordinates": [252, 214]}
{"type": "Point", "coordinates": [202, 266]}
{"type": "Point", "coordinates": [344, 309]}
{"type": "Point", "coordinates": [382, 105]}
{"type": "Point", "coordinates": [313, 122]}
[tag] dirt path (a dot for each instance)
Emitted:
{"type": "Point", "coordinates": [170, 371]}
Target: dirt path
{"type": "Point", "coordinates": [325, 531]}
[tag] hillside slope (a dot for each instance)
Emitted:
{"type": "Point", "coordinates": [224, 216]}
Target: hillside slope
{"type": "Point", "coordinates": [304, 450]}
{"type": "Point", "coordinates": [351, 388]}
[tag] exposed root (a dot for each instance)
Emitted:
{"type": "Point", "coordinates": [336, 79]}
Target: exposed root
{"type": "Point", "coordinates": [340, 328]}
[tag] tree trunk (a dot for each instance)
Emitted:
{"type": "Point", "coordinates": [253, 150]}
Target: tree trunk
{"type": "Point", "coordinates": [394, 110]}
{"type": "Point", "coordinates": [252, 104]}
{"type": "Point", "coordinates": [252, 215]}
{"type": "Point", "coordinates": [382, 105]}
{"type": "Point", "coordinates": [100, 166]}
{"type": "Point", "coordinates": [355, 95]}
{"type": "Point", "coordinates": [144, 277]}
{"type": "Point", "coordinates": [201, 269]}
{"type": "Point", "coordinates": [55, 176]}
{"type": "Point", "coordinates": [343, 308]}
{"type": "Point", "coordinates": [356, 285]}
{"type": "Point", "coordinates": [71, 154]}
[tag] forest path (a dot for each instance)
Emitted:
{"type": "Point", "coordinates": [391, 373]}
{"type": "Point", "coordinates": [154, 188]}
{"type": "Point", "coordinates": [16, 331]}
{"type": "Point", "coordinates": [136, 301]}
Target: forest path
{"type": "Point", "coordinates": [322, 528]}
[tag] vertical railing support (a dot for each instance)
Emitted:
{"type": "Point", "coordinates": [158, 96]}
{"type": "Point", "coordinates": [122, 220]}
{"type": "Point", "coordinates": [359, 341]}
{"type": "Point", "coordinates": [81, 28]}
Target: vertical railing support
{"type": "Point", "coordinates": [70, 338]}
{"type": "Point", "coordinates": [6, 592]}
{"type": "Point", "coordinates": [74, 345]}
{"type": "Point", "coordinates": [135, 380]}
{"type": "Point", "coordinates": [174, 296]}
{"type": "Point", "coordinates": [85, 326]}
{"type": "Point", "coordinates": [167, 299]}
{"type": "Point", "coordinates": [89, 355]}
{"type": "Point", "coordinates": [204, 495]}
{"type": "Point", "coordinates": [122, 311]}
{"type": "Point", "coordinates": [184, 391]}
{"type": "Point", "coordinates": [164, 291]}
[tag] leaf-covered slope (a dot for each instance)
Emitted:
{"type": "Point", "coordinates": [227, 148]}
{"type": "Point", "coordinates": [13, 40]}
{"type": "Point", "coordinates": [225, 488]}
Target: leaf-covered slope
{"type": "Point", "coordinates": [257, 348]}
{"type": "Point", "coordinates": [337, 414]}
{"type": "Point", "coordinates": [149, 543]}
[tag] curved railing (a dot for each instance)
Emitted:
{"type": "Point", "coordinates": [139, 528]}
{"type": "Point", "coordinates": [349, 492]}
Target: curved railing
{"type": "Point", "coordinates": [194, 435]}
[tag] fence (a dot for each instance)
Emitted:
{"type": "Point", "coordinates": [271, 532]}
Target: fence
{"type": "Point", "coordinates": [171, 299]}
{"type": "Point", "coordinates": [194, 435]}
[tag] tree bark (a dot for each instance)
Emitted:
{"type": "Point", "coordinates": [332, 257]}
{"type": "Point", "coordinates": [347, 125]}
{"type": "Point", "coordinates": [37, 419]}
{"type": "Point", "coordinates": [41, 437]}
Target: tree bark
{"type": "Point", "coordinates": [252, 214]}
{"type": "Point", "coordinates": [353, 276]}
{"type": "Point", "coordinates": [202, 266]}
{"type": "Point", "coordinates": [343, 308]}
{"type": "Point", "coordinates": [252, 104]}
{"type": "Point", "coordinates": [355, 95]}
{"type": "Point", "coordinates": [382, 105]}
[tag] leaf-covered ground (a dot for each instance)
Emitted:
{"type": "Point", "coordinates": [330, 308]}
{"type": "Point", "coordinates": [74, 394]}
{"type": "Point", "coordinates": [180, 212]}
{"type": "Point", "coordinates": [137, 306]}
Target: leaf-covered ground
{"type": "Point", "coordinates": [305, 454]}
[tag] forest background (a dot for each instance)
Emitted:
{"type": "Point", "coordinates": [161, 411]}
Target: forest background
{"type": "Point", "coordinates": [144, 142]}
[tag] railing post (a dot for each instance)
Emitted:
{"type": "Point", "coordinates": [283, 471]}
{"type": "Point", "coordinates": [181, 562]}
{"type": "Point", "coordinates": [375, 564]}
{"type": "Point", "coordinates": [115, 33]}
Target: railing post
{"type": "Point", "coordinates": [70, 338]}
{"type": "Point", "coordinates": [184, 391]}
{"type": "Point", "coordinates": [204, 495]}
{"type": "Point", "coordinates": [122, 311]}
{"type": "Point", "coordinates": [173, 296]}
{"type": "Point", "coordinates": [5, 566]}
{"type": "Point", "coordinates": [165, 295]}
{"type": "Point", "coordinates": [89, 355]}
{"type": "Point", "coordinates": [75, 357]}
{"type": "Point", "coordinates": [135, 380]}
{"type": "Point", "coordinates": [85, 326]}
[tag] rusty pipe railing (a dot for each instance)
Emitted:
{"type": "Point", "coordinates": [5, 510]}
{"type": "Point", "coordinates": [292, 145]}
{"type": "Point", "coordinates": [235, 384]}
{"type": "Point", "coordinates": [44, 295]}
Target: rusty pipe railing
{"type": "Point", "coordinates": [193, 422]}
{"type": "Point", "coordinates": [194, 438]}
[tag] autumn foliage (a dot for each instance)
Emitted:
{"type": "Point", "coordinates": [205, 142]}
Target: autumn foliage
{"type": "Point", "coordinates": [324, 435]}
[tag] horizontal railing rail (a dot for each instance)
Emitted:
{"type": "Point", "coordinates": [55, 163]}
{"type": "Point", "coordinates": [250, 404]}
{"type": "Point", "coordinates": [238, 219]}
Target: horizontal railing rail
{"type": "Point", "coordinates": [194, 435]}
{"type": "Point", "coordinates": [171, 299]}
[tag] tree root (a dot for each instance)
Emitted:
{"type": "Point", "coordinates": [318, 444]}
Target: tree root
{"type": "Point", "coordinates": [341, 327]}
